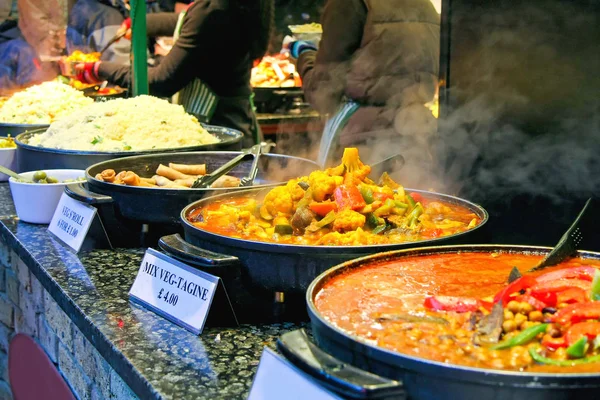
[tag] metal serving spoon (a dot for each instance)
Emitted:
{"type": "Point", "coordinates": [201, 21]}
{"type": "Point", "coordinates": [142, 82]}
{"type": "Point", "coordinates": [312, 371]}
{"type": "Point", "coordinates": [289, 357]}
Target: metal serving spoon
{"type": "Point", "coordinates": [567, 245]}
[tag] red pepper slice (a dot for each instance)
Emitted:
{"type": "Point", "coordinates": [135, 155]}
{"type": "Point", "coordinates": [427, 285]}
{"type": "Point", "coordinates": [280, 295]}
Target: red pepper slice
{"type": "Point", "coordinates": [432, 233]}
{"type": "Point", "coordinates": [416, 197]}
{"type": "Point", "coordinates": [554, 343]}
{"type": "Point", "coordinates": [549, 298]}
{"type": "Point", "coordinates": [572, 295]}
{"type": "Point", "coordinates": [382, 196]}
{"type": "Point", "coordinates": [453, 303]}
{"type": "Point", "coordinates": [323, 208]}
{"type": "Point", "coordinates": [522, 283]}
{"type": "Point", "coordinates": [561, 285]}
{"type": "Point", "coordinates": [348, 196]}
{"type": "Point", "coordinates": [577, 312]}
{"type": "Point", "coordinates": [591, 329]}
{"type": "Point", "coordinates": [584, 273]}
{"type": "Point", "coordinates": [535, 303]}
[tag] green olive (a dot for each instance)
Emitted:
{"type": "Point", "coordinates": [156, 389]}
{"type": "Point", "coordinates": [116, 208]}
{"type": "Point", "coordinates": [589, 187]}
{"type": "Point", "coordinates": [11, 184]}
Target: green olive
{"type": "Point", "coordinates": [42, 181]}
{"type": "Point", "coordinates": [39, 175]}
{"type": "Point", "coordinates": [51, 179]}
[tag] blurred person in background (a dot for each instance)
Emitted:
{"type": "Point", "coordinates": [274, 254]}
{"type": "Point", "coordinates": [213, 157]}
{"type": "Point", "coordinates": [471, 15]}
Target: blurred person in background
{"type": "Point", "coordinates": [30, 32]}
{"type": "Point", "coordinates": [375, 68]}
{"type": "Point", "coordinates": [93, 23]}
{"type": "Point", "coordinates": [209, 65]}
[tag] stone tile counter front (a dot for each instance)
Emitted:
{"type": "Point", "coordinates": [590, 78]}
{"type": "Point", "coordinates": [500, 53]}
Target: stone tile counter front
{"type": "Point", "coordinates": [77, 309]}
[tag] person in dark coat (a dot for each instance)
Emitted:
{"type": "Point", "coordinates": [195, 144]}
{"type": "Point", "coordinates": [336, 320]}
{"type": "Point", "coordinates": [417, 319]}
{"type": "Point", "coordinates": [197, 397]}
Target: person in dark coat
{"type": "Point", "coordinates": [383, 56]}
{"type": "Point", "coordinates": [217, 44]}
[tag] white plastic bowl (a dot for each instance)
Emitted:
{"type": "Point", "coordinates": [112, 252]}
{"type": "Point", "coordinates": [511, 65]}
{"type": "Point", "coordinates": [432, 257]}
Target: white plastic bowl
{"type": "Point", "coordinates": [8, 159]}
{"type": "Point", "coordinates": [35, 202]}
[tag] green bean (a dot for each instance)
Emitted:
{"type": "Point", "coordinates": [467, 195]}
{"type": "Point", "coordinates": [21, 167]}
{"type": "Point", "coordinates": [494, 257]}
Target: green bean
{"type": "Point", "coordinates": [524, 337]}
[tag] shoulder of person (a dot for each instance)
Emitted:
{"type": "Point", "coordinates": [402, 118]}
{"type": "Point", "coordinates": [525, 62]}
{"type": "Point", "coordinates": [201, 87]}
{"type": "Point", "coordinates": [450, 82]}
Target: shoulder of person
{"type": "Point", "coordinates": [207, 6]}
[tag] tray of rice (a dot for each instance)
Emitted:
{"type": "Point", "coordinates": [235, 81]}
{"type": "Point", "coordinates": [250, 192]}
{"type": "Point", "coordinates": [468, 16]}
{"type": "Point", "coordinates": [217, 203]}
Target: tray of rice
{"type": "Point", "coordinates": [38, 106]}
{"type": "Point", "coordinates": [119, 128]}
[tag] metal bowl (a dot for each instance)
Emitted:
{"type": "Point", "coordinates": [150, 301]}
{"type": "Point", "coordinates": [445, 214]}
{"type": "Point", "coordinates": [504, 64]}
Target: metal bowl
{"type": "Point", "coordinates": [31, 158]}
{"type": "Point", "coordinates": [13, 130]}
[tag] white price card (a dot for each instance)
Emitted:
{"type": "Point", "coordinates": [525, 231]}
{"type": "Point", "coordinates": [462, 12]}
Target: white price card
{"type": "Point", "coordinates": [71, 221]}
{"type": "Point", "coordinates": [277, 378]}
{"type": "Point", "coordinates": [174, 290]}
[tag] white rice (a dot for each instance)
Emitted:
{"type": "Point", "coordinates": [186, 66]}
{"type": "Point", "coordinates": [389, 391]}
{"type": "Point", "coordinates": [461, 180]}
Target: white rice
{"type": "Point", "coordinates": [134, 124]}
{"type": "Point", "coordinates": [42, 104]}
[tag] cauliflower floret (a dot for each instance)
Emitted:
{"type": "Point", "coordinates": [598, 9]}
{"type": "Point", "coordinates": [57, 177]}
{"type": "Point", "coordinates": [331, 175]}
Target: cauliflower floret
{"type": "Point", "coordinates": [353, 238]}
{"type": "Point", "coordinates": [295, 191]}
{"type": "Point", "coordinates": [279, 200]}
{"type": "Point", "coordinates": [348, 220]}
{"type": "Point", "coordinates": [321, 184]}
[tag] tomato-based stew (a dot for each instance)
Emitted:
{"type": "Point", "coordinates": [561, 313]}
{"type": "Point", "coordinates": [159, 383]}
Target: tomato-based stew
{"type": "Point", "coordinates": [338, 206]}
{"type": "Point", "coordinates": [458, 308]}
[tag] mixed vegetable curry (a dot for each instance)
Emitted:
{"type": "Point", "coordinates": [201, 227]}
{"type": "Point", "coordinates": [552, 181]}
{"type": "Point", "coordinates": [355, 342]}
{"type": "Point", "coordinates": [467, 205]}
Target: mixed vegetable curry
{"type": "Point", "coordinates": [336, 206]}
{"type": "Point", "coordinates": [460, 309]}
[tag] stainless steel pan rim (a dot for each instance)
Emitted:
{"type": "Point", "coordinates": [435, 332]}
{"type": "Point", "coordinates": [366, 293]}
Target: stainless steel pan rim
{"type": "Point", "coordinates": [442, 370]}
{"type": "Point", "coordinates": [296, 248]}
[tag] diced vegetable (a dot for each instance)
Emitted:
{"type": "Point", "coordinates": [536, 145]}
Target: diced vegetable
{"type": "Point", "coordinates": [584, 272]}
{"type": "Point", "coordinates": [577, 312]}
{"type": "Point", "coordinates": [535, 303]}
{"type": "Point", "coordinates": [348, 196]}
{"type": "Point", "coordinates": [537, 357]}
{"type": "Point", "coordinates": [589, 330]}
{"type": "Point", "coordinates": [578, 349]}
{"type": "Point", "coordinates": [572, 295]}
{"type": "Point", "coordinates": [560, 285]}
{"type": "Point", "coordinates": [524, 337]}
{"type": "Point", "coordinates": [284, 229]}
{"type": "Point", "coordinates": [553, 343]}
{"type": "Point", "coordinates": [367, 193]}
{"type": "Point", "coordinates": [323, 208]}
{"type": "Point", "coordinates": [326, 220]}
{"type": "Point", "coordinates": [522, 283]}
{"type": "Point", "coordinates": [595, 291]}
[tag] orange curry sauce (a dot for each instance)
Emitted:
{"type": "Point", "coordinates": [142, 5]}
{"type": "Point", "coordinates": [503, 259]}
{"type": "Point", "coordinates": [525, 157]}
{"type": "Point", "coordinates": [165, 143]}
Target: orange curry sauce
{"type": "Point", "coordinates": [384, 304]}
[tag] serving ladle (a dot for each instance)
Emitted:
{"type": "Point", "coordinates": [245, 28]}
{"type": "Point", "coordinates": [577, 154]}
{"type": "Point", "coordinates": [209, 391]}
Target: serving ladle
{"type": "Point", "coordinates": [13, 174]}
{"type": "Point", "coordinates": [567, 245]}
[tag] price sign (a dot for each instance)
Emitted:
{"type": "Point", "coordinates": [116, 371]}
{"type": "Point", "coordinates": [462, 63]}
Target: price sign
{"type": "Point", "coordinates": [71, 221]}
{"type": "Point", "coordinates": [174, 290]}
{"type": "Point", "coordinates": [277, 378]}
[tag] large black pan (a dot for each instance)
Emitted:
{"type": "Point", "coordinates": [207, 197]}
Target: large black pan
{"type": "Point", "coordinates": [428, 380]}
{"type": "Point", "coordinates": [291, 268]}
{"type": "Point", "coordinates": [33, 158]}
{"type": "Point", "coordinates": [154, 205]}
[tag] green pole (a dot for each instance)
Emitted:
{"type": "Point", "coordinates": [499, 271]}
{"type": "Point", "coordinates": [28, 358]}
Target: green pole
{"type": "Point", "coordinates": [139, 62]}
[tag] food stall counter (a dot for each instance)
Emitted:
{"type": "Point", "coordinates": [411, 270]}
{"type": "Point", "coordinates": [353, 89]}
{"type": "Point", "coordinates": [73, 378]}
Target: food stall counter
{"type": "Point", "coordinates": [77, 308]}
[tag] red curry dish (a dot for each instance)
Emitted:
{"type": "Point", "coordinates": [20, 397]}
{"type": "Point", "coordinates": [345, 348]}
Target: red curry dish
{"type": "Point", "coordinates": [458, 308]}
{"type": "Point", "coordinates": [338, 206]}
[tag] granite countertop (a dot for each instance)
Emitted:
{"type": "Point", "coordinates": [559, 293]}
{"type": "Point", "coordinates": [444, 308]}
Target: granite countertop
{"type": "Point", "coordinates": [156, 358]}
